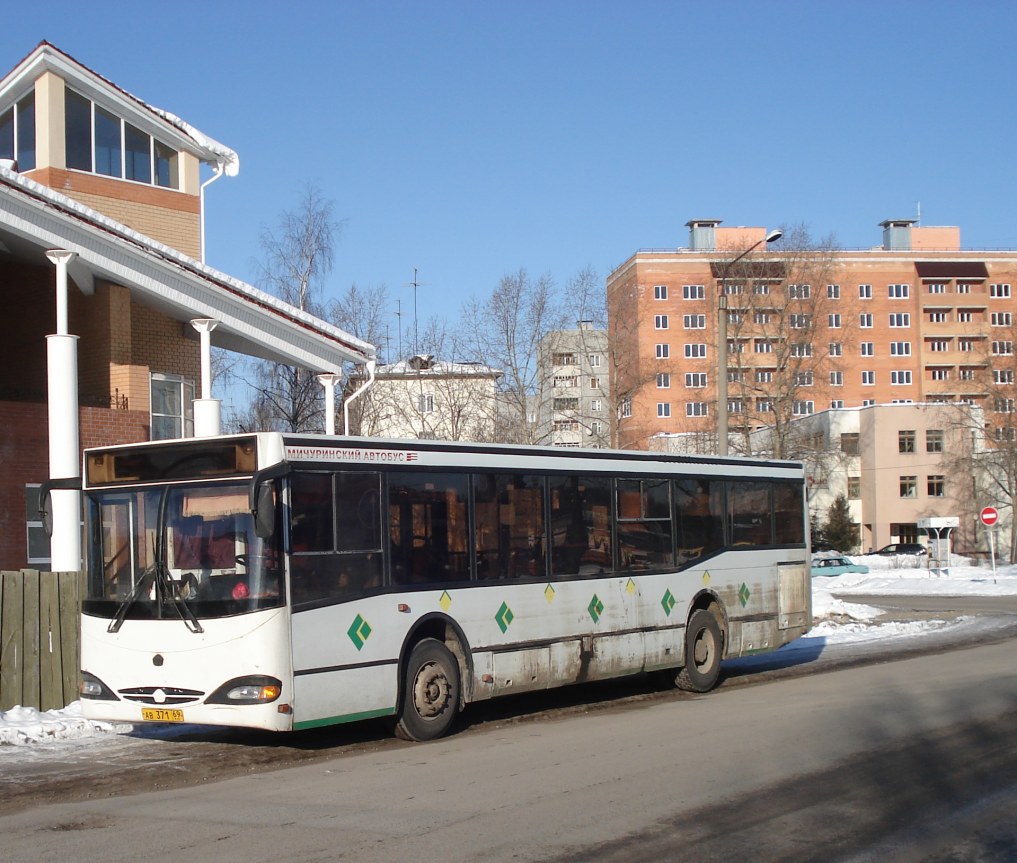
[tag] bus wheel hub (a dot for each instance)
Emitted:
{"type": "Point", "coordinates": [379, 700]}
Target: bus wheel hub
{"type": "Point", "coordinates": [431, 691]}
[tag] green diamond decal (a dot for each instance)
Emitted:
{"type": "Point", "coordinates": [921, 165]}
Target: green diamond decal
{"type": "Point", "coordinates": [668, 602]}
{"type": "Point", "coordinates": [743, 595]}
{"type": "Point", "coordinates": [359, 632]}
{"type": "Point", "coordinates": [596, 608]}
{"type": "Point", "coordinates": [504, 617]}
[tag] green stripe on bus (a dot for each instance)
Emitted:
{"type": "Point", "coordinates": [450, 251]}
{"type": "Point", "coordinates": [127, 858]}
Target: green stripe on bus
{"type": "Point", "coordinates": [347, 717]}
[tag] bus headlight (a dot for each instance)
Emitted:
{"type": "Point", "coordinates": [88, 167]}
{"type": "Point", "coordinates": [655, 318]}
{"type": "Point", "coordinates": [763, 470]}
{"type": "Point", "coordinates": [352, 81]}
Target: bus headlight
{"type": "Point", "coordinates": [256, 689]}
{"type": "Point", "coordinates": [92, 687]}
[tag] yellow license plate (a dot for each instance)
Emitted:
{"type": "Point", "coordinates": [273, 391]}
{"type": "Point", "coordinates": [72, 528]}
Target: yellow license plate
{"type": "Point", "coordinates": [160, 714]}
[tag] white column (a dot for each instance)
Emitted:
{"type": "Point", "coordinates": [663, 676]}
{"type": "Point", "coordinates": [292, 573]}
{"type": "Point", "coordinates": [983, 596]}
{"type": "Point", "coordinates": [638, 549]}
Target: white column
{"type": "Point", "coordinates": [207, 410]}
{"type": "Point", "coordinates": [64, 447]}
{"type": "Point", "coordinates": [328, 381]}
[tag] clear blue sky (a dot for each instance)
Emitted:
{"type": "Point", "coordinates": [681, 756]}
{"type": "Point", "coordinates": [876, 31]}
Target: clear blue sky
{"type": "Point", "coordinates": [471, 139]}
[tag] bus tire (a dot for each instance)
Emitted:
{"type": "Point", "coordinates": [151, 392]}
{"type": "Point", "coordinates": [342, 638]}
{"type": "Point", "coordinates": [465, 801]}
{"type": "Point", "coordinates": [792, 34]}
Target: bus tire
{"type": "Point", "coordinates": [703, 648]}
{"type": "Point", "coordinates": [430, 692]}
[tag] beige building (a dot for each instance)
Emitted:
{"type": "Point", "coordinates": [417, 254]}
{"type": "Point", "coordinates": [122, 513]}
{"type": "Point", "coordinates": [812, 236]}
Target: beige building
{"type": "Point", "coordinates": [574, 406]}
{"type": "Point", "coordinates": [423, 397]}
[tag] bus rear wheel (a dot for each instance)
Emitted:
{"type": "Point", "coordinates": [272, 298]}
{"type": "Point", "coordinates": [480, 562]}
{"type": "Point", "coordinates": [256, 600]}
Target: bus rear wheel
{"type": "Point", "coordinates": [703, 647]}
{"type": "Point", "coordinates": [430, 692]}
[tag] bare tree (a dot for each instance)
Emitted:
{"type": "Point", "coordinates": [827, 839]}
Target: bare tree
{"type": "Point", "coordinates": [297, 258]}
{"type": "Point", "coordinates": [504, 332]}
{"type": "Point", "coordinates": [780, 311]}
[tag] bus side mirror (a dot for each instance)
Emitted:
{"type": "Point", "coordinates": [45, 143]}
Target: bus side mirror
{"type": "Point", "coordinates": [264, 511]}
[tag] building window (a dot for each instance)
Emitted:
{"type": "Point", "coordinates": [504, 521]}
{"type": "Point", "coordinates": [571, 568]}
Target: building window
{"type": "Point", "coordinates": [836, 379]}
{"type": "Point", "coordinates": [565, 426]}
{"type": "Point", "coordinates": [663, 381]}
{"type": "Point", "coordinates": [594, 383]}
{"type": "Point", "coordinates": [900, 377]}
{"type": "Point", "coordinates": [836, 349]}
{"type": "Point", "coordinates": [100, 142]}
{"type": "Point", "coordinates": [735, 406]}
{"type": "Point", "coordinates": [865, 292]}
{"type": "Point", "coordinates": [660, 292]}
{"type": "Point", "coordinates": [597, 427]}
{"type": "Point", "coordinates": [663, 352]}
{"type": "Point", "coordinates": [966, 374]}
{"type": "Point", "coordinates": [801, 349]}
{"type": "Point", "coordinates": [833, 321]}
{"type": "Point", "coordinates": [965, 345]}
{"type": "Point", "coordinates": [663, 409]}
{"type": "Point", "coordinates": [868, 378]}
{"type": "Point", "coordinates": [1002, 348]}
{"type": "Point", "coordinates": [425, 402]}
{"type": "Point", "coordinates": [803, 408]}
{"type": "Point", "coordinates": [898, 292]}
{"type": "Point", "coordinates": [836, 404]}
{"type": "Point", "coordinates": [693, 292]}
{"type": "Point", "coordinates": [937, 485]}
{"type": "Point", "coordinates": [695, 380]}
{"type": "Point", "coordinates": [804, 379]}
{"type": "Point", "coordinates": [625, 409]}
{"type": "Point", "coordinates": [761, 289]}
{"type": "Point", "coordinates": [868, 349]}
{"type": "Point", "coordinates": [596, 405]}
{"type": "Point", "coordinates": [594, 361]}
{"type": "Point", "coordinates": [764, 376]}
{"type": "Point", "coordinates": [963, 288]}
{"type": "Point", "coordinates": [37, 539]}
{"type": "Point", "coordinates": [172, 413]}
{"type": "Point", "coordinates": [865, 321]}
{"type": "Point", "coordinates": [900, 320]}
{"type": "Point", "coordinates": [695, 351]}
{"type": "Point", "coordinates": [660, 322]}
{"type": "Point", "coordinates": [694, 322]}
{"type": "Point", "coordinates": [833, 292]}
{"type": "Point", "coordinates": [909, 486]}
{"type": "Point", "coordinates": [696, 409]}
{"type": "Point", "coordinates": [849, 443]}
{"type": "Point", "coordinates": [854, 487]}
{"type": "Point", "coordinates": [937, 317]}
{"type": "Point", "coordinates": [558, 404]}
{"type": "Point", "coordinates": [1002, 376]}
{"type": "Point", "coordinates": [868, 403]}
{"type": "Point", "coordinates": [1001, 319]}
{"type": "Point", "coordinates": [762, 346]}
{"type": "Point", "coordinates": [566, 381]}
{"type": "Point", "coordinates": [799, 292]}
{"type": "Point", "coordinates": [937, 288]}
{"type": "Point", "coordinates": [938, 346]}
{"type": "Point", "coordinates": [906, 440]}
{"type": "Point", "coordinates": [800, 322]}
{"type": "Point", "coordinates": [17, 133]}
{"type": "Point", "coordinates": [564, 359]}
{"type": "Point", "coordinates": [999, 291]}
{"type": "Point", "coordinates": [934, 440]}
{"type": "Point", "coordinates": [733, 290]}
{"type": "Point", "coordinates": [900, 349]}
{"type": "Point", "coordinates": [940, 374]}
{"type": "Point", "coordinates": [1004, 406]}
{"type": "Point", "coordinates": [964, 316]}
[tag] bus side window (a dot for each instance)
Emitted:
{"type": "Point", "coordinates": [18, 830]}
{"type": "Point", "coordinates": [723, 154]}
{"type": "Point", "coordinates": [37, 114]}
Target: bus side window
{"type": "Point", "coordinates": [644, 524]}
{"type": "Point", "coordinates": [510, 526]}
{"type": "Point", "coordinates": [580, 525]}
{"type": "Point", "coordinates": [428, 531]}
{"type": "Point", "coordinates": [750, 513]}
{"type": "Point", "coordinates": [700, 517]}
{"type": "Point", "coordinates": [788, 508]}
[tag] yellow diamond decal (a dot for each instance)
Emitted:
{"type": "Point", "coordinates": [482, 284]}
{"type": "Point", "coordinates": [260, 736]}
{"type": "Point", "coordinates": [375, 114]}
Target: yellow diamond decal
{"type": "Point", "coordinates": [630, 587]}
{"type": "Point", "coordinates": [445, 601]}
{"type": "Point", "coordinates": [706, 577]}
{"type": "Point", "coordinates": [549, 593]}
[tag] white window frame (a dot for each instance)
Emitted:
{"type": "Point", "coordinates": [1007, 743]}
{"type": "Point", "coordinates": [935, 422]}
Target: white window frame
{"type": "Point", "coordinates": [660, 292]}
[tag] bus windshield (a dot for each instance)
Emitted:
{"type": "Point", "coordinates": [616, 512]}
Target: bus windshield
{"type": "Point", "coordinates": [185, 551]}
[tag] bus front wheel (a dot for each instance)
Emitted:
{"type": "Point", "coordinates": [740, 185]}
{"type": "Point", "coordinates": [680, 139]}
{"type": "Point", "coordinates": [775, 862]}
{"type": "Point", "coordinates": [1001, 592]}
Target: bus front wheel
{"type": "Point", "coordinates": [703, 647]}
{"type": "Point", "coordinates": [430, 692]}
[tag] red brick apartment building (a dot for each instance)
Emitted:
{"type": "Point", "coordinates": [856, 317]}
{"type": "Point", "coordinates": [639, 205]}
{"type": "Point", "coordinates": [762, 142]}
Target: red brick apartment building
{"type": "Point", "coordinates": [87, 168]}
{"type": "Point", "coordinates": [916, 319]}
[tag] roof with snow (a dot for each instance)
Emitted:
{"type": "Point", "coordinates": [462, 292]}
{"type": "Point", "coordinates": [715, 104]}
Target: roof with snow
{"type": "Point", "coordinates": [425, 365]}
{"type": "Point", "coordinates": [35, 218]}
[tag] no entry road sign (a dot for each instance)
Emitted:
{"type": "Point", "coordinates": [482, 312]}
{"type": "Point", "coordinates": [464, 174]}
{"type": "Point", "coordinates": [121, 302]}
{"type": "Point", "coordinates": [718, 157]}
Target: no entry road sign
{"type": "Point", "coordinates": [989, 516]}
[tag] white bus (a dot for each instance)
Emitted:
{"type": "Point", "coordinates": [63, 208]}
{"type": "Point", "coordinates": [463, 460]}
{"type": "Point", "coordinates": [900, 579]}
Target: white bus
{"type": "Point", "coordinates": [290, 581]}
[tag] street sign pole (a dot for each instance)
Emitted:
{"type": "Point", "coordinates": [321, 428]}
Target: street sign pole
{"type": "Point", "coordinates": [990, 518]}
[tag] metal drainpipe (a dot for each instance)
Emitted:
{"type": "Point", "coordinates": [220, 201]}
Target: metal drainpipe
{"type": "Point", "coordinates": [207, 410]}
{"type": "Point", "coordinates": [359, 392]}
{"type": "Point", "coordinates": [328, 381]}
{"type": "Point", "coordinates": [64, 449]}
{"type": "Point", "coordinates": [220, 167]}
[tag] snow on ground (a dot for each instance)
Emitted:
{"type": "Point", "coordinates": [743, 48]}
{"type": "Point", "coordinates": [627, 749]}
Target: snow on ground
{"type": "Point", "coordinates": [836, 620]}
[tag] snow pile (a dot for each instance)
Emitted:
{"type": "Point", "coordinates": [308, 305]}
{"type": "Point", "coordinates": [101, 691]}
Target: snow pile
{"type": "Point", "coordinates": [24, 725]}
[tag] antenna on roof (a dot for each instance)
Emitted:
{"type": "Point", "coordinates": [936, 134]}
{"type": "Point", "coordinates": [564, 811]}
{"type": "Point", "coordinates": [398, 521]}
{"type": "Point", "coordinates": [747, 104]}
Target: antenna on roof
{"type": "Point", "coordinates": [399, 315]}
{"type": "Point", "coordinates": [415, 284]}
{"type": "Point", "coordinates": [918, 221]}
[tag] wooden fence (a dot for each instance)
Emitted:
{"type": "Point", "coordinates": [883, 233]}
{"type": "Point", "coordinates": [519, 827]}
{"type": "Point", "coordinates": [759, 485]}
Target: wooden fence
{"type": "Point", "coordinates": [39, 638]}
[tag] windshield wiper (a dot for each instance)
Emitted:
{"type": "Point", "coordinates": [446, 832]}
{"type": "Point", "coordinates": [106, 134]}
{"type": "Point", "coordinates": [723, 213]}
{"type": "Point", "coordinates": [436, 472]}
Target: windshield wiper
{"type": "Point", "coordinates": [132, 597]}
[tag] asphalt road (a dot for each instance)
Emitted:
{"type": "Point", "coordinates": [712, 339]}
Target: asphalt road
{"type": "Point", "coordinates": [872, 758]}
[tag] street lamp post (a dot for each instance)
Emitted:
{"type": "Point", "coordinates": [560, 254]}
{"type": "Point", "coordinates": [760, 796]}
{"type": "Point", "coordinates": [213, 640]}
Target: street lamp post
{"type": "Point", "coordinates": [722, 442]}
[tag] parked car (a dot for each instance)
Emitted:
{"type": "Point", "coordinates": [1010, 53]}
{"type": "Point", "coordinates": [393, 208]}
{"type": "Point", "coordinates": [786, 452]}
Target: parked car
{"type": "Point", "coordinates": [836, 565]}
{"type": "Point", "coordinates": [903, 548]}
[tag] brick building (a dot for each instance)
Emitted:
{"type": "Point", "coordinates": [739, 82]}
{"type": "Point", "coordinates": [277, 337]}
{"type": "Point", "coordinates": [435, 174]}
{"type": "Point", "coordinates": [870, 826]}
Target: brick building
{"type": "Point", "coordinates": [915, 319]}
{"type": "Point", "coordinates": [87, 168]}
